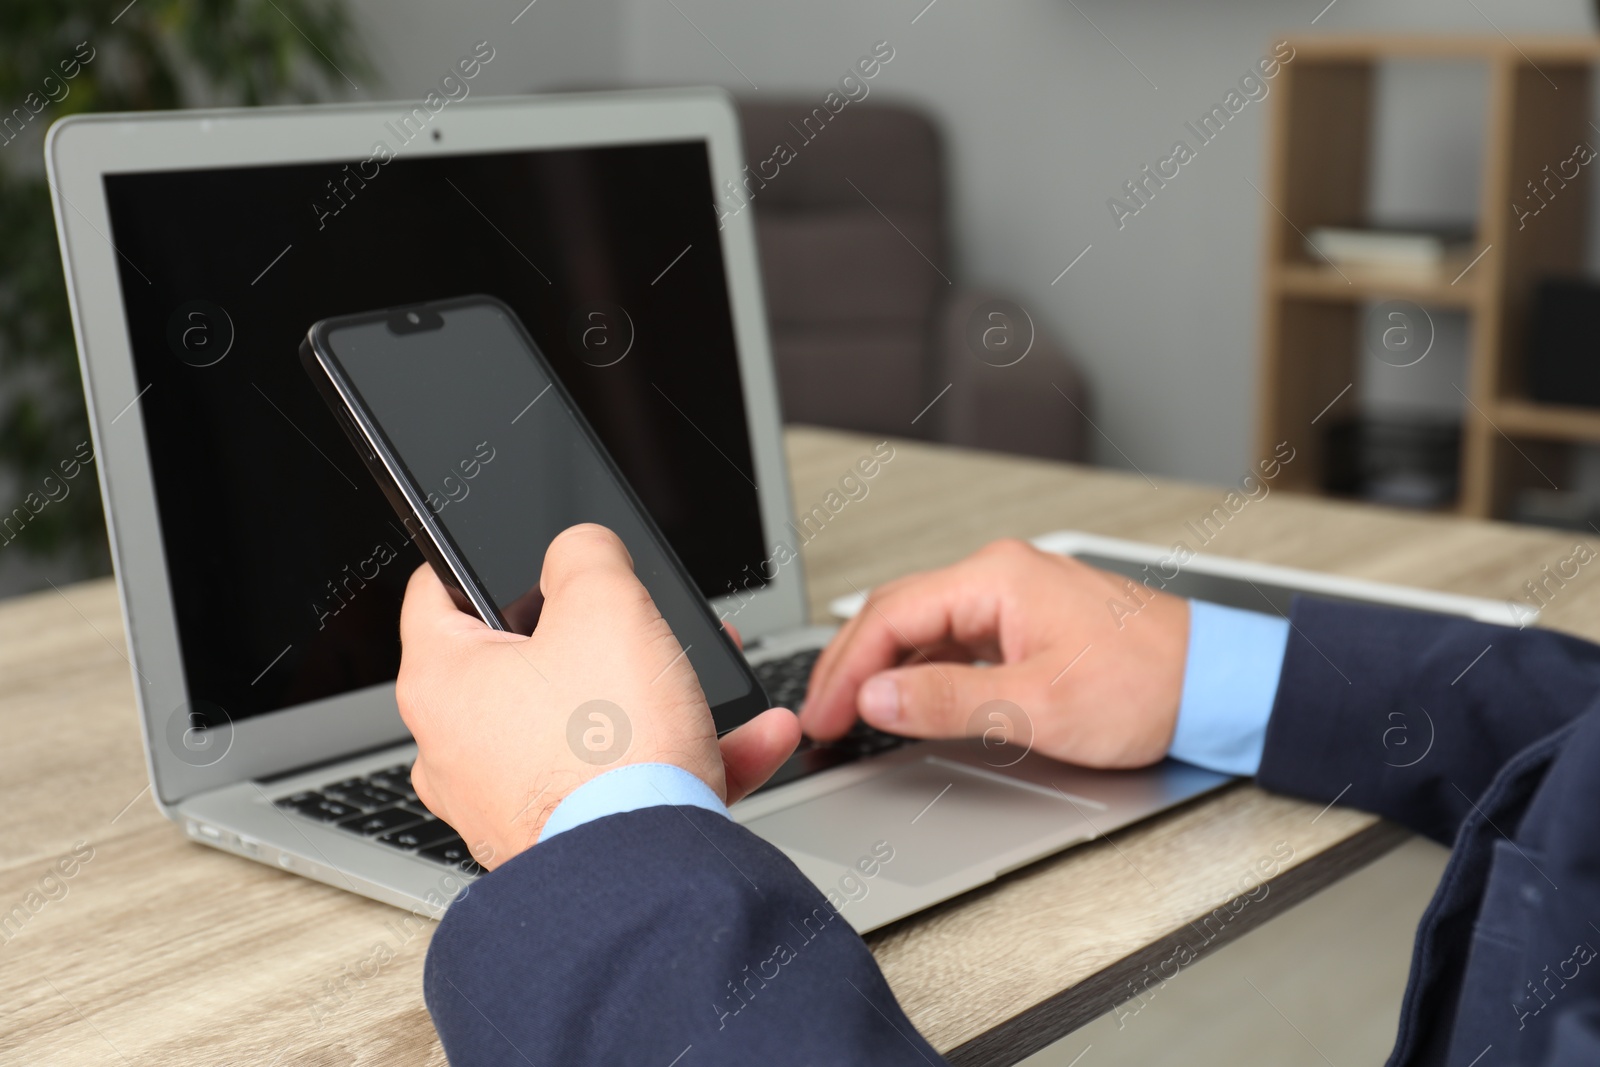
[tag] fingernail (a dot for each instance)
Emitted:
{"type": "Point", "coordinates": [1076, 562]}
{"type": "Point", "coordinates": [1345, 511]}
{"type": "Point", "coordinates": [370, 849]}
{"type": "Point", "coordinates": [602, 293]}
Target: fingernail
{"type": "Point", "coordinates": [880, 700]}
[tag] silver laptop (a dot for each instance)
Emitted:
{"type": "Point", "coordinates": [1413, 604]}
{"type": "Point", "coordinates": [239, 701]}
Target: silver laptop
{"type": "Point", "coordinates": [261, 571]}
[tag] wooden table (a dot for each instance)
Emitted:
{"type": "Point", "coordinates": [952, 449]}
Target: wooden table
{"type": "Point", "coordinates": [160, 951]}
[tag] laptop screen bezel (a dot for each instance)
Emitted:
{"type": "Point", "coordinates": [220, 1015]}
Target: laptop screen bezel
{"type": "Point", "coordinates": [81, 150]}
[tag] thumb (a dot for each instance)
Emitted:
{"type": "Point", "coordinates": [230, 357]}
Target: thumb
{"type": "Point", "coordinates": [582, 554]}
{"type": "Point", "coordinates": [936, 699]}
{"type": "Point", "coordinates": [752, 752]}
{"type": "Point", "coordinates": [590, 590]}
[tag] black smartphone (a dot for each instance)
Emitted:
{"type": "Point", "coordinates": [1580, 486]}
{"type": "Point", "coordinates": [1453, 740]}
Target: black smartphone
{"type": "Point", "coordinates": [486, 458]}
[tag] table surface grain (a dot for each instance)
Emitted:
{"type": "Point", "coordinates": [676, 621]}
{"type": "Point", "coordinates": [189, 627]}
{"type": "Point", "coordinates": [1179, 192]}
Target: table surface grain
{"type": "Point", "coordinates": [158, 950]}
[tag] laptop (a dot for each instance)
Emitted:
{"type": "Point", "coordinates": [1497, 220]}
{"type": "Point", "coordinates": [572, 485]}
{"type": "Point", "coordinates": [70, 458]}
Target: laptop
{"type": "Point", "coordinates": [261, 571]}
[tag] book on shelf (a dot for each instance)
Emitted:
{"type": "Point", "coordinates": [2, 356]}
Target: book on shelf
{"type": "Point", "coordinates": [1415, 249]}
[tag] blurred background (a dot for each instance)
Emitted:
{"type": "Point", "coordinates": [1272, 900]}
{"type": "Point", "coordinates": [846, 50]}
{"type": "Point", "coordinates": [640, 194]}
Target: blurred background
{"type": "Point", "coordinates": [1181, 331]}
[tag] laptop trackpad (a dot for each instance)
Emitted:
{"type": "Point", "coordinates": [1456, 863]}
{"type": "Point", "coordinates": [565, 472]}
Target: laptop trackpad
{"type": "Point", "coordinates": [939, 817]}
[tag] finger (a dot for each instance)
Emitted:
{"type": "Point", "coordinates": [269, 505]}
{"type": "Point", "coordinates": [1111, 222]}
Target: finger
{"type": "Point", "coordinates": [428, 614]}
{"type": "Point", "coordinates": [908, 619]}
{"type": "Point", "coordinates": [733, 632]}
{"type": "Point", "coordinates": [583, 553]}
{"type": "Point", "coordinates": [752, 752]}
{"type": "Point", "coordinates": [826, 666]}
{"type": "Point", "coordinates": [589, 587]}
{"type": "Point", "coordinates": [586, 569]}
{"type": "Point", "coordinates": [522, 614]}
{"type": "Point", "coordinates": [953, 652]}
{"type": "Point", "coordinates": [597, 608]}
{"type": "Point", "coordinates": [434, 635]}
{"type": "Point", "coordinates": [941, 699]}
{"type": "Point", "coordinates": [823, 668]}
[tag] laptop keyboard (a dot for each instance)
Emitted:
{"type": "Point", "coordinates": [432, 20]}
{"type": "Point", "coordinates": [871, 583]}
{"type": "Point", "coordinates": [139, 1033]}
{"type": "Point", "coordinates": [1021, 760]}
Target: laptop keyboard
{"type": "Point", "coordinates": [382, 807]}
{"type": "Point", "coordinates": [785, 682]}
{"type": "Point", "coordinates": [785, 679]}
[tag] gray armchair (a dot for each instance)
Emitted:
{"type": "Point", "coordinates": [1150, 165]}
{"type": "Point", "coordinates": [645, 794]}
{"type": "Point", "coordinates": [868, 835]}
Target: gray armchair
{"type": "Point", "coordinates": [868, 323]}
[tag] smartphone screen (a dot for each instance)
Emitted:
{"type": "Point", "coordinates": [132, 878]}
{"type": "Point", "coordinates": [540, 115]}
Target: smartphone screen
{"type": "Point", "coordinates": [503, 462]}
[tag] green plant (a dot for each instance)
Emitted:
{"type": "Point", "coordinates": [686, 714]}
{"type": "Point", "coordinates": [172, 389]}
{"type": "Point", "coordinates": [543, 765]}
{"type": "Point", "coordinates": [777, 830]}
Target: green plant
{"type": "Point", "coordinates": [149, 55]}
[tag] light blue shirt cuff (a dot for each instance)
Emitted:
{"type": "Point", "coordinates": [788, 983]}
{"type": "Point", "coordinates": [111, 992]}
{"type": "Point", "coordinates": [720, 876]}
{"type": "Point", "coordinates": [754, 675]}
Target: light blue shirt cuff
{"type": "Point", "coordinates": [629, 788]}
{"type": "Point", "coordinates": [1230, 680]}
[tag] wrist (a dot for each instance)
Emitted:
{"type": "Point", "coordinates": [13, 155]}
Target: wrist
{"type": "Point", "coordinates": [628, 788]}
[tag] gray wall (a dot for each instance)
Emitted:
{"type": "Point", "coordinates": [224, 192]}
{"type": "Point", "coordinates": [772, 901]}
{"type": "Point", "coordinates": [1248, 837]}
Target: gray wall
{"type": "Point", "coordinates": [553, 42]}
{"type": "Point", "coordinates": [1046, 118]}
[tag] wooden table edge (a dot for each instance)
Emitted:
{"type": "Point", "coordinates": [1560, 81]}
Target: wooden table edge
{"type": "Point", "coordinates": [1050, 1020]}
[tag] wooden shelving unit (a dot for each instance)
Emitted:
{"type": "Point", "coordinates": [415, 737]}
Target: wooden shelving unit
{"type": "Point", "coordinates": [1318, 172]}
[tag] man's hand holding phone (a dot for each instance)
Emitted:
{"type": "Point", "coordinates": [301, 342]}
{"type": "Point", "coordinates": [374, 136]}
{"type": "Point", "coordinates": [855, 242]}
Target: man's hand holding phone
{"type": "Point", "coordinates": [507, 726]}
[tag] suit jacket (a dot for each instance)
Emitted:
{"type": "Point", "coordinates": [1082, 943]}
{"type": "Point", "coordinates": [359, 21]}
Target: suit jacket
{"type": "Point", "coordinates": [673, 936]}
{"type": "Point", "coordinates": [1489, 738]}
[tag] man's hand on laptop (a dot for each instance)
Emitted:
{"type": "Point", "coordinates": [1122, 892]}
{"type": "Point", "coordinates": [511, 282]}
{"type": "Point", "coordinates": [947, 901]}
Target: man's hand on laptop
{"type": "Point", "coordinates": [1100, 688]}
{"type": "Point", "coordinates": [491, 711]}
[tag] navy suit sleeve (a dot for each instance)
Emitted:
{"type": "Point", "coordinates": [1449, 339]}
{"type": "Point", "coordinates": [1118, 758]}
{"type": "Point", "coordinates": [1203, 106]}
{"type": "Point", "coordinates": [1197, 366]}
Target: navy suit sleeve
{"type": "Point", "coordinates": [1576, 1041]}
{"type": "Point", "coordinates": [656, 934]}
{"type": "Point", "coordinates": [1408, 714]}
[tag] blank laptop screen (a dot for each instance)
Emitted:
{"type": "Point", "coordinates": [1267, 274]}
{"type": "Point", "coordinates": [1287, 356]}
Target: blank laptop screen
{"type": "Point", "coordinates": [287, 564]}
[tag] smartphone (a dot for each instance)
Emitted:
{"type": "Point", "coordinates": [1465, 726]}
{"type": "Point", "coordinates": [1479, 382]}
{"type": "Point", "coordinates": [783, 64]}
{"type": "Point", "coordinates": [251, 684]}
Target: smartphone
{"type": "Point", "coordinates": [486, 458]}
